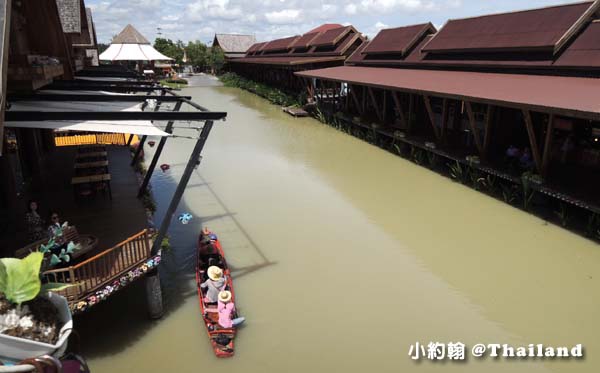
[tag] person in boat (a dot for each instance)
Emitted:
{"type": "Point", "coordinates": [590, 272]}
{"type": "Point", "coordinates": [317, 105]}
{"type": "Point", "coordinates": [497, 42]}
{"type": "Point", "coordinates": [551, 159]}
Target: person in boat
{"type": "Point", "coordinates": [226, 310]}
{"type": "Point", "coordinates": [208, 245]}
{"type": "Point", "coordinates": [216, 282]}
{"type": "Point", "coordinates": [34, 222]}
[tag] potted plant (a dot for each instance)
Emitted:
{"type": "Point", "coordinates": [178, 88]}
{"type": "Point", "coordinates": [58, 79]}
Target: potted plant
{"type": "Point", "coordinates": [33, 321]}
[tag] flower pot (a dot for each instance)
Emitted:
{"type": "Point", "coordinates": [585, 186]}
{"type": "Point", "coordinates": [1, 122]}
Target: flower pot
{"type": "Point", "coordinates": [17, 349]}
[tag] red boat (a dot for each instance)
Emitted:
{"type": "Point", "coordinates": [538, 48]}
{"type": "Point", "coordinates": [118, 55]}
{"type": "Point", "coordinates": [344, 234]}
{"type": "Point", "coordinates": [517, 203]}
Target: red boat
{"type": "Point", "coordinates": [208, 254]}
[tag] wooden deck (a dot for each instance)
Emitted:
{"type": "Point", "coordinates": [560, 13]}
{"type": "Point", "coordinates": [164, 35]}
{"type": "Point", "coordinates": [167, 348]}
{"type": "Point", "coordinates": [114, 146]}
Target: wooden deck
{"type": "Point", "coordinates": [98, 277]}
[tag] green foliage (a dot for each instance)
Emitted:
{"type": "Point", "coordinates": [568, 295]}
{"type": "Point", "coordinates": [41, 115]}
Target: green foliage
{"type": "Point", "coordinates": [216, 59]}
{"type": "Point", "coordinates": [510, 193]}
{"type": "Point", "coordinates": [170, 49]}
{"type": "Point", "coordinates": [149, 202]}
{"type": "Point", "coordinates": [528, 192]}
{"type": "Point", "coordinates": [274, 95]}
{"type": "Point", "coordinates": [488, 183]}
{"type": "Point", "coordinates": [102, 47]}
{"type": "Point", "coordinates": [432, 160]}
{"type": "Point", "coordinates": [20, 278]}
{"type": "Point", "coordinates": [197, 53]}
{"type": "Point", "coordinates": [593, 225]}
{"type": "Point", "coordinates": [177, 81]}
{"type": "Point", "coordinates": [457, 173]}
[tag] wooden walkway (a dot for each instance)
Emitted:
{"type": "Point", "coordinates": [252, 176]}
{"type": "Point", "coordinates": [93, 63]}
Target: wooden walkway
{"type": "Point", "coordinates": [97, 278]}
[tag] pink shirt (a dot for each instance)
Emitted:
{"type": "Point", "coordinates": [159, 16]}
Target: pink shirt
{"type": "Point", "coordinates": [225, 311]}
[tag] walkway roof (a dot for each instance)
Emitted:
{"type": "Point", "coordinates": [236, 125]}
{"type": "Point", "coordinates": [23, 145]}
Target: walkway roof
{"type": "Point", "coordinates": [571, 96]}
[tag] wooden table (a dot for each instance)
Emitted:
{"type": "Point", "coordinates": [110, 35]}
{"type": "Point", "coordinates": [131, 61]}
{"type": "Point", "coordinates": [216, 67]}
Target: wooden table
{"type": "Point", "coordinates": [93, 179]}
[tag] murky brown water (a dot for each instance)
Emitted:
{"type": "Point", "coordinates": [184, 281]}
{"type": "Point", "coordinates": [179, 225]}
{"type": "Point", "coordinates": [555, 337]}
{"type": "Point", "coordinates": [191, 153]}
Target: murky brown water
{"type": "Point", "coordinates": [346, 256]}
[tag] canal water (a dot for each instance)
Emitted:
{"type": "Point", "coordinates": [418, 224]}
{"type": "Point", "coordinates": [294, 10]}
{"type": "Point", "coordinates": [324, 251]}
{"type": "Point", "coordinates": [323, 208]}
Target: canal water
{"type": "Point", "coordinates": [344, 257]}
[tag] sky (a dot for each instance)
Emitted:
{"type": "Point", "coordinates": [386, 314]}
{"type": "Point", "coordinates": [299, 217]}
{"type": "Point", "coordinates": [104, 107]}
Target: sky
{"type": "Point", "coordinates": [191, 20]}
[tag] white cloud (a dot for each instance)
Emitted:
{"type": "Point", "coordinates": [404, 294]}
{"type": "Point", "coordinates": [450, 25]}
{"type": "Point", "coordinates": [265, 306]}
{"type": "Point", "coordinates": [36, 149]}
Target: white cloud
{"type": "Point", "coordinates": [284, 16]}
{"type": "Point", "coordinates": [350, 9]}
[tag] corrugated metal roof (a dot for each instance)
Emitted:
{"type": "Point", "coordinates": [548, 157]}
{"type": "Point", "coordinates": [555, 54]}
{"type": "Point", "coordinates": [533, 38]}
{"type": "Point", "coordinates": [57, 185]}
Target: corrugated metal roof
{"type": "Point", "coordinates": [584, 51]}
{"type": "Point", "coordinates": [130, 35]}
{"type": "Point", "coordinates": [398, 40]}
{"type": "Point", "coordinates": [523, 30]}
{"type": "Point", "coordinates": [331, 37]}
{"type": "Point", "coordinates": [574, 96]}
{"type": "Point", "coordinates": [234, 43]}
{"type": "Point", "coordinates": [70, 15]}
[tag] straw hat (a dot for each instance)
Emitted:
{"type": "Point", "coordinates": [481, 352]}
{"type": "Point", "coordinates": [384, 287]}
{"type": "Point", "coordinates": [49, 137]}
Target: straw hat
{"type": "Point", "coordinates": [225, 296]}
{"type": "Point", "coordinates": [214, 273]}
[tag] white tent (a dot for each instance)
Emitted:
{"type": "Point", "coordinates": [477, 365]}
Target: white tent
{"type": "Point", "coordinates": [130, 45]}
{"type": "Point", "coordinates": [135, 127]}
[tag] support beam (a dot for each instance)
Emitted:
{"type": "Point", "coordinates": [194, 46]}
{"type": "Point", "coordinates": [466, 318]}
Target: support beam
{"type": "Point", "coordinates": [95, 98]}
{"type": "Point", "coordinates": [411, 109]}
{"type": "Point", "coordinates": [474, 129]}
{"type": "Point", "coordinates": [138, 151]}
{"type": "Point", "coordinates": [185, 178]}
{"type": "Point", "coordinates": [385, 105]}
{"type": "Point", "coordinates": [445, 107]}
{"type": "Point", "coordinates": [399, 110]}
{"type": "Point", "coordinates": [355, 99]}
{"type": "Point", "coordinates": [375, 104]}
{"type": "Point", "coordinates": [161, 145]}
{"type": "Point", "coordinates": [487, 136]}
{"type": "Point", "coordinates": [20, 116]}
{"type": "Point", "coordinates": [431, 116]}
{"type": "Point", "coordinates": [548, 146]}
{"type": "Point", "coordinates": [364, 99]}
{"type": "Point", "coordinates": [535, 150]}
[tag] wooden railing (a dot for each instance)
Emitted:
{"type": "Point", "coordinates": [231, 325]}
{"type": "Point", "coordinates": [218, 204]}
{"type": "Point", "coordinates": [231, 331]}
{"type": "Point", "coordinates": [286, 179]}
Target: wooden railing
{"type": "Point", "coordinates": [101, 269]}
{"type": "Point", "coordinates": [94, 139]}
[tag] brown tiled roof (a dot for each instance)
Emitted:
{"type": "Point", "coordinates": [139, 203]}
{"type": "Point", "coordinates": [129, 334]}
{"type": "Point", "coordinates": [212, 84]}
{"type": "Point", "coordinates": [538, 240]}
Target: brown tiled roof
{"type": "Point", "coordinates": [584, 51]}
{"type": "Point", "coordinates": [325, 27]}
{"type": "Point", "coordinates": [398, 40]}
{"type": "Point", "coordinates": [304, 40]}
{"type": "Point", "coordinates": [288, 60]}
{"type": "Point", "coordinates": [331, 37]}
{"type": "Point", "coordinates": [280, 44]}
{"type": "Point", "coordinates": [130, 35]}
{"type": "Point", "coordinates": [70, 15]}
{"type": "Point", "coordinates": [524, 30]}
{"type": "Point", "coordinates": [234, 43]}
{"type": "Point", "coordinates": [572, 95]}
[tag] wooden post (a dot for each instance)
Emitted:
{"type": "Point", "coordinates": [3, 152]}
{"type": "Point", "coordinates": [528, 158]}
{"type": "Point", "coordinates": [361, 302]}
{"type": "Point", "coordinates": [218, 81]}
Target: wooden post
{"type": "Point", "coordinates": [161, 145]}
{"type": "Point", "coordinates": [474, 128]}
{"type": "Point", "coordinates": [444, 118]}
{"type": "Point", "coordinates": [356, 101]}
{"type": "Point", "coordinates": [487, 137]}
{"type": "Point", "coordinates": [535, 150]}
{"type": "Point", "coordinates": [375, 104]}
{"type": "Point", "coordinates": [411, 109]}
{"type": "Point", "coordinates": [384, 110]}
{"type": "Point", "coordinates": [431, 117]}
{"type": "Point", "coordinates": [548, 146]}
{"type": "Point", "coordinates": [138, 151]}
{"type": "Point", "coordinates": [399, 109]}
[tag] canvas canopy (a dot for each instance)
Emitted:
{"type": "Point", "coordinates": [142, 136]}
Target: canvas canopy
{"type": "Point", "coordinates": [136, 127]}
{"type": "Point", "coordinates": [132, 52]}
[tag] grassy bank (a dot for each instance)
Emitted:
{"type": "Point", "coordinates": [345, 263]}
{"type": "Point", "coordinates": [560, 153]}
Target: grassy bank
{"type": "Point", "coordinates": [174, 83]}
{"type": "Point", "coordinates": [274, 95]}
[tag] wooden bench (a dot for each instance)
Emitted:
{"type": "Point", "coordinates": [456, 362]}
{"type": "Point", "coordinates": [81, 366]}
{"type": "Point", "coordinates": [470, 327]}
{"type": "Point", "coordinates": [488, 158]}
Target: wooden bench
{"type": "Point", "coordinates": [87, 242]}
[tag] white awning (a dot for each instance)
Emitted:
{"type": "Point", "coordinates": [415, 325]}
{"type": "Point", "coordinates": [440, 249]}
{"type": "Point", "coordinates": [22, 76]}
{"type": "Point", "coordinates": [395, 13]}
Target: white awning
{"type": "Point", "coordinates": [136, 127]}
{"type": "Point", "coordinates": [132, 52]}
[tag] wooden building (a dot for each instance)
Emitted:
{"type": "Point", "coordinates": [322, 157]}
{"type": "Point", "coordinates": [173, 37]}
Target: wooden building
{"type": "Point", "coordinates": [78, 27]}
{"type": "Point", "coordinates": [527, 80]}
{"type": "Point", "coordinates": [276, 61]}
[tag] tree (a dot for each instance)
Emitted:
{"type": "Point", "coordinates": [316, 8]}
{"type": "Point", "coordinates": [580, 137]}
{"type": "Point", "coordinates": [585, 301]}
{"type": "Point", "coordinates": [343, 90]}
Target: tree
{"type": "Point", "coordinates": [170, 49]}
{"type": "Point", "coordinates": [102, 47]}
{"type": "Point", "coordinates": [216, 59]}
{"type": "Point", "coordinates": [197, 53]}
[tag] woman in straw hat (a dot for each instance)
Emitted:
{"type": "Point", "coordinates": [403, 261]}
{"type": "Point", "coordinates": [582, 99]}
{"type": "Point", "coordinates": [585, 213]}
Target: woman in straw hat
{"type": "Point", "coordinates": [215, 283]}
{"type": "Point", "coordinates": [226, 310]}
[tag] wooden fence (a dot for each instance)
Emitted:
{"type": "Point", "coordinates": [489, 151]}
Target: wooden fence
{"type": "Point", "coordinates": [101, 269]}
{"type": "Point", "coordinates": [94, 139]}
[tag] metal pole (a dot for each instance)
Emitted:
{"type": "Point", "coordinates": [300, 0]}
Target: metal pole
{"type": "Point", "coordinates": [143, 140]}
{"type": "Point", "coordinates": [161, 145]}
{"type": "Point", "coordinates": [185, 178]}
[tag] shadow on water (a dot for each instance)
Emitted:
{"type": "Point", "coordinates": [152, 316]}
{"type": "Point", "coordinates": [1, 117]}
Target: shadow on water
{"type": "Point", "coordinates": [119, 323]}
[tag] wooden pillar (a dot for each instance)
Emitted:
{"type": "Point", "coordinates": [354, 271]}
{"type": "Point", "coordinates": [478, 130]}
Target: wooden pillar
{"type": "Point", "coordinates": [535, 150]}
{"type": "Point", "coordinates": [375, 104]}
{"type": "Point", "coordinates": [398, 105]}
{"type": "Point", "coordinates": [355, 99]}
{"type": "Point", "coordinates": [364, 99]}
{"type": "Point", "coordinates": [431, 117]}
{"type": "Point", "coordinates": [411, 109]}
{"type": "Point", "coordinates": [384, 110]}
{"type": "Point", "coordinates": [474, 128]}
{"type": "Point", "coordinates": [444, 119]}
{"type": "Point", "coordinates": [487, 137]}
{"type": "Point", "coordinates": [548, 145]}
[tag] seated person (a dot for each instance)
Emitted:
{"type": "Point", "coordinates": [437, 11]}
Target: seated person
{"type": "Point", "coordinates": [226, 310]}
{"type": "Point", "coordinates": [216, 282]}
{"type": "Point", "coordinates": [55, 228]}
